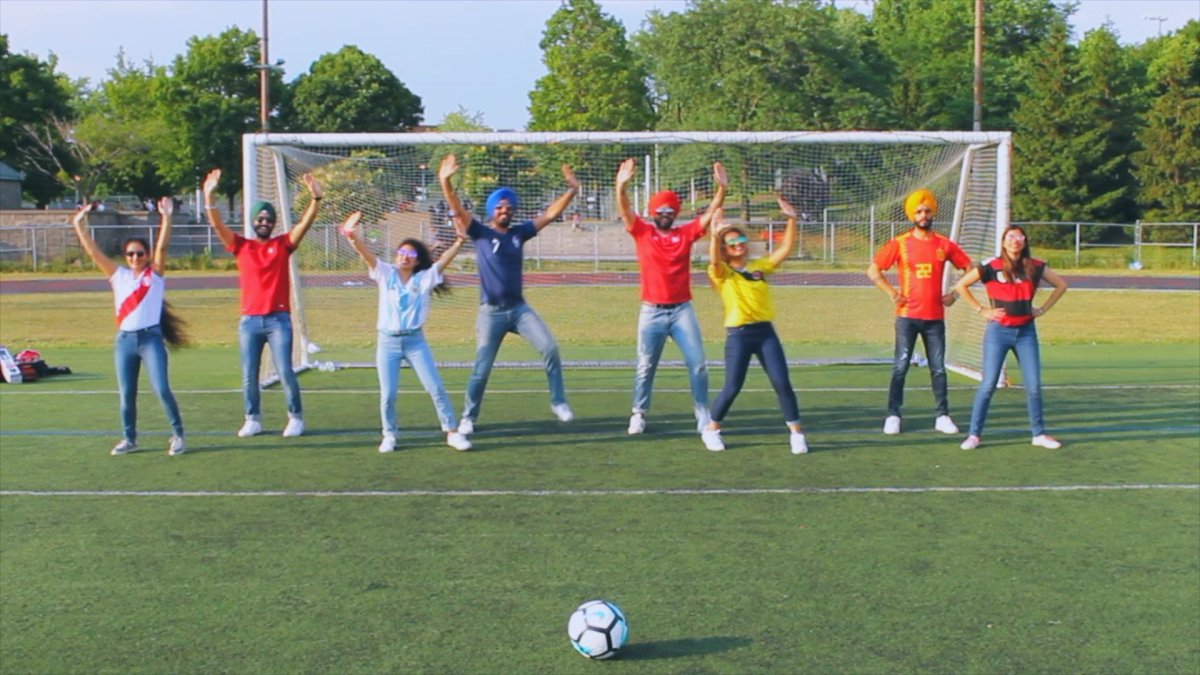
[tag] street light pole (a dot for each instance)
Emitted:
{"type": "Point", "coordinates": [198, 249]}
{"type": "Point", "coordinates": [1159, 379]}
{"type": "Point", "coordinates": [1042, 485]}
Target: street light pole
{"type": "Point", "coordinates": [264, 89]}
{"type": "Point", "coordinates": [977, 113]}
{"type": "Point", "coordinates": [1159, 19]}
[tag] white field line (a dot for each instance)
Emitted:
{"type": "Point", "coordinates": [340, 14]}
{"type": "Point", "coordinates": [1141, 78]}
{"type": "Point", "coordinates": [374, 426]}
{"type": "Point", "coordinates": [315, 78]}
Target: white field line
{"type": "Point", "coordinates": [644, 492]}
{"type": "Point", "coordinates": [8, 391]}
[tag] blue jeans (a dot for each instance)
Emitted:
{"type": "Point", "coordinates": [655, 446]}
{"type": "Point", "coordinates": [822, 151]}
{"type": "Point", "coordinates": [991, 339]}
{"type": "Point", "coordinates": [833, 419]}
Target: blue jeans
{"type": "Point", "coordinates": [654, 325]}
{"type": "Point", "coordinates": [755, 339]}
{"type": "Point", "coordinates": [933, 334]}
{"type": "Point", "coordinates": [390, 350]}
{"type": "Point", "coordinates": [997, 342]}
{"type": "Point", "coordinates": [131, 349]}
{"type": "Point", "coordinates": [492, 323]}
{"type": "Point", "coordinates": [254, 332]}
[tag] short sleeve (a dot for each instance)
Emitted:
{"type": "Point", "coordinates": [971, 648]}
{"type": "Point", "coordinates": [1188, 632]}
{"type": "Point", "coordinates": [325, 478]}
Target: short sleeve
{"type": "Point", "coordinates": [886, 257]}
{"type": "Point", "coordinates": [475, 229]}
{"type": "Point", "coordinates": [238, 242]}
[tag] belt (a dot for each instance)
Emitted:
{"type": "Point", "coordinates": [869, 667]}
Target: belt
{"type": "Point", "coordinates": [669, 305]}
{"type": "Point", "coordinates": [400, 333]}
{"type": "Point", "coordinates": [147, 329]}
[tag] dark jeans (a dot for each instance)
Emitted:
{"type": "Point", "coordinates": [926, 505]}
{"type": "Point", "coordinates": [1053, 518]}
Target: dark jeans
{"type": "Point", "coordinates": [755, 339]}
{"type": "Point", "coordinates": [933, 333]}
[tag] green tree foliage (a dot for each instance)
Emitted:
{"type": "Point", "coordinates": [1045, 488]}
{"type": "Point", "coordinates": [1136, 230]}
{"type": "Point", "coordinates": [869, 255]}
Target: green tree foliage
{"type": "Point", "coordinates": [752, 65]}
{"type": "Point", "coordinates": [211, 99]}
{"type": "Point", "coordinates": [1110, 83]}
{"type": "Point", "coordinates": [594, 81]}
{"type": "Point", "coordinates": [125, 117]}
{"type": "Point", "coordinates": [351, 91]}
{"type": "Point", "coordinates": [931, 44]}
{"type": "Point", "coordinates": [31, 94]}
{"type": "Point", "coordinates": [1168, 166]}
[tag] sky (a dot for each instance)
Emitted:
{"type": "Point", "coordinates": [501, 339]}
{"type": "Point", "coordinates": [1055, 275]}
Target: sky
{"type": "Point", "coordinates": [481, 56]}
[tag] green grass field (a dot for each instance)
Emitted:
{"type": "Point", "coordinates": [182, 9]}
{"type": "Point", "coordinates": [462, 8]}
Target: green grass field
{"type": "Point", "coordinates": [868, 555]}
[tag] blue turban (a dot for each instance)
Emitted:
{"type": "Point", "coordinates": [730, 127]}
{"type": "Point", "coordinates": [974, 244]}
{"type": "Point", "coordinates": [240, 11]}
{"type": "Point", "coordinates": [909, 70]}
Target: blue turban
{"type": "Point", "coordinates": [493, 200]}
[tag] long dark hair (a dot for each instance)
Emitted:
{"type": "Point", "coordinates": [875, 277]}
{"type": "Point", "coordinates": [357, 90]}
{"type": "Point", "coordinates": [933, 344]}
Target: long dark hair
{"type": "Point", "coordinates": [724, 232]}
{"type": "Point", "coordinates": [174, 329]}
{"type": "Point", "coordinates": [1025, 259]}
{"type": "Point", "coordinates": [424, 261]}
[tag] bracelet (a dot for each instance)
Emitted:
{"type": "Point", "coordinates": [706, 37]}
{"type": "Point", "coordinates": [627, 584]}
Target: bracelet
{"type": "Point", "coordinates": [317, 199]}
{"type": "Point", "coordinates": [209, 206]}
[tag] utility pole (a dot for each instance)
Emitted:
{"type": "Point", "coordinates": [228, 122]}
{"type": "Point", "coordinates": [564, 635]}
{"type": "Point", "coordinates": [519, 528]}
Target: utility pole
{"type": "Point", "coordinates": [977, 115]}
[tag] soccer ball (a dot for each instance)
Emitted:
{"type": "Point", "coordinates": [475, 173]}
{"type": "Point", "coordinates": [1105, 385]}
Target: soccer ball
{"type": "Point", "coordinates": [598, 629]}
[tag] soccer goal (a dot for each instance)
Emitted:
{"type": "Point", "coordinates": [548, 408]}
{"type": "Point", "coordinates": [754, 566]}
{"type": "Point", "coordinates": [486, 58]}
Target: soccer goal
{"type": "Point", "coordinates": [581, 274]}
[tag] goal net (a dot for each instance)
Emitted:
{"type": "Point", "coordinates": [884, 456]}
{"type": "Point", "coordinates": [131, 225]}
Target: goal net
{"type": "Point", "coordinates": [581, 273]}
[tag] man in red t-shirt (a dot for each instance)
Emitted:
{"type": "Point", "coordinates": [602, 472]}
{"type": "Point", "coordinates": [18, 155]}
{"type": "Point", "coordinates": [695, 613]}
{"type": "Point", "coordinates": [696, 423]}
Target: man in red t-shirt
{"type": "Point", "coordinates": [920, 256]}
{"type": "Point", "coordinates": [264, 266]}
{"type": "Point", "coordinates": [664, 254]}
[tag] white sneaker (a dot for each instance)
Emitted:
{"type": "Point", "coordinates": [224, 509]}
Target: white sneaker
{"type": "Point", "coordinates": [1047, 442]}
{"type": "Point", "coordinates": [388, 444]}
{"type": "Point", "coordinates": [124, 448]}
{"type": "Point", "coordinates": [252, 427]}
{"type": "Point", "coordinates": [637, 424]}
{"type": "Point", "coordinates": [295, 427]}
{"type": "Point", "coordinates": [466, 427]}
{"type": "Point", "coordinates": [799, 443]}
{"type": "Point", "coordinates": [563, 412]}
{"type": "Point", "coordinates": [891, 426]}
{"type": "Point", "coordinates": [945, 425]}
{"type": "Point", "coordinates": [971, 443]}
{"type": "Point", "coordinates": [712, 439]}
{"type": "Point", "coordinates": [177, 446]}
{"type": "Point", "coordinates": [458, 441]}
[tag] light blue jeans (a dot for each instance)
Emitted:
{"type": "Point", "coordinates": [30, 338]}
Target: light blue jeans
{"type": "Point", "coordinates": [997, 342]}
{"type": "Point", "coordinates": [492, 323]}
{"type": "Point", "coordinates": [655, 324]}
{"type": "Point", "coordinates": [255, 332]}
{"type": "Point", "coordinates": [389, 352]}
{"type": "Point", "coordinates": [132, 349]}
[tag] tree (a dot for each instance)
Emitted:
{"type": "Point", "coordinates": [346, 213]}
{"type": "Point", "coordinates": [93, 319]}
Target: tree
{"type": "Point", "coordinates": [1168, 166]}
{"type": "Point", "coordinates": [31, 95]}
{"type": "Point", "coordinates": [209, 101]}
{"type": "Point", "coordinates": [594, 81]}
{"type": "Point", "coordinates": [1110, 84]}
{"type": "Point", "coordinates": [931, 43]}
{"type": "Point", "coordinates": [351, 91]}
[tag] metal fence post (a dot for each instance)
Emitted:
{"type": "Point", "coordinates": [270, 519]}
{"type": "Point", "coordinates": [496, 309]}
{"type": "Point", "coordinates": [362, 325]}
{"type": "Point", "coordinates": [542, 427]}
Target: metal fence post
{"type": "Point", "coordinates": [1077, 243]}
{"type": "Point", "coordinates": [1137, 241]}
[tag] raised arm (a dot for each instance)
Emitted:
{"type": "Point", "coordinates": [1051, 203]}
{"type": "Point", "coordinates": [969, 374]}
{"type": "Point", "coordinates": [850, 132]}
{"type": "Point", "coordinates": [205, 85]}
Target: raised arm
{"type": "Point", "coordinates": [296, 234]}
{"type": "Point", "coordinates": [106, 265]}
{"type": "Point", "coordinates": [349, 229]}
{"type": "Point", "coordinates": [624, 176]}
{"type": "Point", "coordinates": [450, 252]}
{"type": "Point", "coordinates": [559, 205]}
{"type": "Point", "coordinates": [718, 200]}
{"type": "Point", "coordinates": [715, 269]}
{"type": "Point", "coordinates": [784, 249]}
{"type": "Point", "coordinates": [210, 207]}
{"type": "Point", "coordinates": [166, 207]}
{"type": "Point", "coordinates": [446, 171]}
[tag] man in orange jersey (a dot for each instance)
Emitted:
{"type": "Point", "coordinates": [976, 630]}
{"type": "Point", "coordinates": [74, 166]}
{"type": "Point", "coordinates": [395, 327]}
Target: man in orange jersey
{"type": "Point", "coordinates": [920, 256]}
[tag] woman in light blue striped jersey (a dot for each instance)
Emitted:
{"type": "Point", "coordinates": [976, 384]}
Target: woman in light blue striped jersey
{"type": "Point", "coordinates": [405, 288]}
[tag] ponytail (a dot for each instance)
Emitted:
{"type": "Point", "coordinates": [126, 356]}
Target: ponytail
{"type": "Point", "coordinates": [173, 328]}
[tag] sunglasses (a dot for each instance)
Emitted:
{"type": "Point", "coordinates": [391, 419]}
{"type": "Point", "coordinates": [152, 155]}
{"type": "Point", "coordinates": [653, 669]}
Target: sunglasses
{"type": "Point", "coordinates": [737, 241]}
{"type": "Point", "coordinates": [135, 254]}
{"type": "Point", "coordinates": [1015, 236]}
{"type": "Point", "coordinates": [406, 253]}
{"type": "Point", "coordinates": [665, 211]}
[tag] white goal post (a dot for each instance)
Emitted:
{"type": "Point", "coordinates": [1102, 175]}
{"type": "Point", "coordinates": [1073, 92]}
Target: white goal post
{"type": "Point", "coordinates": [849, 187]}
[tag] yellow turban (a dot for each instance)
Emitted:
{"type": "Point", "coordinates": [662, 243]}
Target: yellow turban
{"type": "Point", "coordinates": [918, 198]}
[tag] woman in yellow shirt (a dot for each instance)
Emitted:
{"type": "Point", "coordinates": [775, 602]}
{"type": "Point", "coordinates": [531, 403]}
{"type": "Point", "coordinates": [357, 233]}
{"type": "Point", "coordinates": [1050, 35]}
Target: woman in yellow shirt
{"type": "Point", "coordinates": [742, 283]}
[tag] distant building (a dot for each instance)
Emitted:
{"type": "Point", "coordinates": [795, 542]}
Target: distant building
{"type": "Point", "coordinates": [10, 187]}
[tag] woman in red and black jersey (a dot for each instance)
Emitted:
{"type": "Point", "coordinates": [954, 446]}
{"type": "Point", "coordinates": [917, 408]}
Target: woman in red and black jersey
{"type": "Point", "coordinates": [1011, 280]}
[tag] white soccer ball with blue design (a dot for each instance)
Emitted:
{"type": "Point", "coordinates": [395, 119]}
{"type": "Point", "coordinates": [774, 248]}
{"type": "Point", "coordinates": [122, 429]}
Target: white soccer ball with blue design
{"type": "Point", "coordinates": [598, 629]}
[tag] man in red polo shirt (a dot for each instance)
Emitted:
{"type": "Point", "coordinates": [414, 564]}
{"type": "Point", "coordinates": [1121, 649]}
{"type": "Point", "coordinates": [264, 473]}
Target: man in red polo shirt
{"type": "Point", "coordinates": [920, 256]}
{"type": "Point", "coordinates": [664, 253]}
{"type": "Point", "coordinates": [264, 265]}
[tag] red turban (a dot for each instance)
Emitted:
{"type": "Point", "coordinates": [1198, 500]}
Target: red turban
{"type": "Point", "coordinates": [667, 199]}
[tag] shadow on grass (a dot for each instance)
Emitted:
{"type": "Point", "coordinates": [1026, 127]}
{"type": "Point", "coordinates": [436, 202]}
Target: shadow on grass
{"type": "Point", "coordinates": [671, 649]}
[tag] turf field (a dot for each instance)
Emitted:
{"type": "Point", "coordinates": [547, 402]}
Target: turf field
{"type": "Point", "coordinates": [870, 554]}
